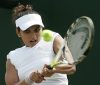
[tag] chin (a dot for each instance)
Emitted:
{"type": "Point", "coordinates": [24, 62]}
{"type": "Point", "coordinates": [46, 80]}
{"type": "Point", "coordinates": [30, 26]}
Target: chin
{"type": "Point", "coordinates": [32, 45]}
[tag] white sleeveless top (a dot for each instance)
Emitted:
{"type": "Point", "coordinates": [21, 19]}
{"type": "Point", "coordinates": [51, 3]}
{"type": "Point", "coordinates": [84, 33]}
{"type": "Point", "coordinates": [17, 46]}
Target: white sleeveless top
{"type": "Point", "coordinates": [27, 60]}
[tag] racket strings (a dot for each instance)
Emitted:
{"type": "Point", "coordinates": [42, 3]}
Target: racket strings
{"type": "Point", "coordinates": [79, 38]}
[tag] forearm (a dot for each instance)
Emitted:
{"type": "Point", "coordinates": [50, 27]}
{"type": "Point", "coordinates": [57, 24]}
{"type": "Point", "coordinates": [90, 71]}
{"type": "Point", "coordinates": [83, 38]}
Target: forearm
{"type": "Point", "coordinates": [17, 83]}
{"type": "Point", "coordinates": [65, 69]}
{"type": "Point", "coordinates": [22, 83]}
{"type": "Point", "coordinates": [25, 82]}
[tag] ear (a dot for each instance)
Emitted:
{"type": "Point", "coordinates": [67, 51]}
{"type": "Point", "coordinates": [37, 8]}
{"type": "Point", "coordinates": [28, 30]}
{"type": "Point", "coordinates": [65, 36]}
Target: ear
{"type": "Point", "coordinates": [18, 32]}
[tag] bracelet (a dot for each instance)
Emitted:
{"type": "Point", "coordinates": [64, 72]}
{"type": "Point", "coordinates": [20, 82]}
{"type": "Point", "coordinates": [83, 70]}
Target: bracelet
{"type": "Point", "coordinates": [28, 81]}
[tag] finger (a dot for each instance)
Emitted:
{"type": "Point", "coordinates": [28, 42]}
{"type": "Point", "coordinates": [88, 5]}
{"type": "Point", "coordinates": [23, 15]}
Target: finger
{"type": "Point", "coordinates": [35, 77]}
{"type": "Point", "coordinates": [40, 76]}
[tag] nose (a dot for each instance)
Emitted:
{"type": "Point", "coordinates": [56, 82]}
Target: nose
{"type": "Point", "coordinates": [34, 36]}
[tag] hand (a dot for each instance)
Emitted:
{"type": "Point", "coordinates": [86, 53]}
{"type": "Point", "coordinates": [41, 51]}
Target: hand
{"type": "Point", "coordinates": [47, 72]}
{"type": "Point", "coordinates": [37, 77]}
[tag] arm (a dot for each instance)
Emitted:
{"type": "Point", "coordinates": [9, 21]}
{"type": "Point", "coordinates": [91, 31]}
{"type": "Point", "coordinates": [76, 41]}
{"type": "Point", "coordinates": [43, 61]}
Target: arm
{"type": "Point", "coordinates": [11, 75]}
{"type": "Point", "coordinates": [68, 68]}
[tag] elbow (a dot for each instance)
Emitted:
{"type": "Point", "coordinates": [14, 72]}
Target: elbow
{"type": "Point", "coordinates": [72, 70]}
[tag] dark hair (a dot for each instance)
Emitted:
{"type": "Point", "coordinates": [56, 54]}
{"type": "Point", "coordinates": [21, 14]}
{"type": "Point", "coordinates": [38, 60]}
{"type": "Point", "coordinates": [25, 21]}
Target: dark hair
{"type": "Point", "coordinates": [21, 10]}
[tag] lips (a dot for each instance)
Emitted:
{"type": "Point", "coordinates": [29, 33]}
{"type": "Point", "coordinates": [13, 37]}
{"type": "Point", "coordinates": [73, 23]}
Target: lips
{"type": "Point", "coordinates": [33, 42]}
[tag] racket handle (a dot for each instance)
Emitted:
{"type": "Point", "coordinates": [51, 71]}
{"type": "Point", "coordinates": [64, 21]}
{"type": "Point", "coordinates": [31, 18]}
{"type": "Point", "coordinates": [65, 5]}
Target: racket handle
{"type": "Point", "coordinates": [49, 67]}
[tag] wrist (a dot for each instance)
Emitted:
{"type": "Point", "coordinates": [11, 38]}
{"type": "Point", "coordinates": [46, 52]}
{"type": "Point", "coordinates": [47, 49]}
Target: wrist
{"type": "Point", "coordinates": [54, 70]}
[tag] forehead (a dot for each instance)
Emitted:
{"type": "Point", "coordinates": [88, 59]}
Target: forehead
{"type": "Point", "coordinates": [34, 27]}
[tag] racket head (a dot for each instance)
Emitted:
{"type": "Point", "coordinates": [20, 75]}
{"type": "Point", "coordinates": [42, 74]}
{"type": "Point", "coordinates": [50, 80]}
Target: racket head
{"type": "Point", "coordinates": [80, 37]}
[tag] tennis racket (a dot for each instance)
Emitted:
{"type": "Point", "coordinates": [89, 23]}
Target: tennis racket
{"type": "Point", "coordinates": [79, 39]}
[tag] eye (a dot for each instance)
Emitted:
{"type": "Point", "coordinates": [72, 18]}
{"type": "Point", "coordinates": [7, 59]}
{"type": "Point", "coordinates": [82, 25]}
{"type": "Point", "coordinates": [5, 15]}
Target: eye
{"type": "Point", "coordinates": [36, 30]}
{"type": "Point", "coordinates": [27, 31]}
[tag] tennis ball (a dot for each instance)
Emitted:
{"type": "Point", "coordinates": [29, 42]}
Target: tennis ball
{"type": "Point", "coordinates": [47, 35]}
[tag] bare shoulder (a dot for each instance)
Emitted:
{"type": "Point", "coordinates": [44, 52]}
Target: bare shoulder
{"type": "Point", "coordinates": [11, 76]}
{"type": "Point", "coordinates": [57, 43]}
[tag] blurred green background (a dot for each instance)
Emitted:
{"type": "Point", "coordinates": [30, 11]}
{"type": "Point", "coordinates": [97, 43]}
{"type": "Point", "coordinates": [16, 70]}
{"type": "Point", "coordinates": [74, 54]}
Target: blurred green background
{"type": "Point", "coordinates": [57, 15]}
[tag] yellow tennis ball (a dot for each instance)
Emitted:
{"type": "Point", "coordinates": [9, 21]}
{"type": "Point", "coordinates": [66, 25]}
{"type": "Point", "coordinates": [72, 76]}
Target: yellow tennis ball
{"type": "Point", "coordinates": [47, 35]}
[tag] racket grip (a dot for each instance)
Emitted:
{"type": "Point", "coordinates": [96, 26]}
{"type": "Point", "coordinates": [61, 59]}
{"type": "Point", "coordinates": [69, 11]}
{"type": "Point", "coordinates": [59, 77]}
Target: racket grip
{"type": "Point", "coordinates": [49, 67]}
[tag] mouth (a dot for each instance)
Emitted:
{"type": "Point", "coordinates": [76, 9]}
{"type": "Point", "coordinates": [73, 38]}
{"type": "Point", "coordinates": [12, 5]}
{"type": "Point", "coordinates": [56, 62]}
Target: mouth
{"type": "Point", "coordinates": [33, 42]}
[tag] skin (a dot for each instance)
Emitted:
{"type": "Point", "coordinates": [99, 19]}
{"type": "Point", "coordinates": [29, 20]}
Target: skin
{"type": "Point", "coordinates": [30, 38]}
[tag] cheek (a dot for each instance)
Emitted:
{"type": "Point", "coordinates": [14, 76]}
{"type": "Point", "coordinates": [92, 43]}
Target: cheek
{"type": "Point", "coordinates": [25, 39]}
{"type": "Point", "coordinates": [39, 35]}
{"type": "Point", "coordinates": [25, 36]}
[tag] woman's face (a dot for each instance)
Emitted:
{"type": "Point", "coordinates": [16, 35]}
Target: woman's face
{"type": "Point", "coordinates": [31, 36]}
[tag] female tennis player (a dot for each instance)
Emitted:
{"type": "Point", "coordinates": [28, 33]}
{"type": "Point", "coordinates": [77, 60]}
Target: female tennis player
{"type": "Point", "coordinates": [27, 65]}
